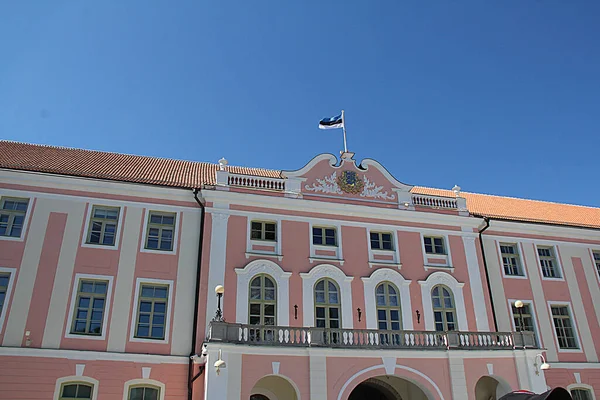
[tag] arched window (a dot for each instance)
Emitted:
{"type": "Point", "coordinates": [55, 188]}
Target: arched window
{"type": "Point", "coordinates": [76, 390]}
{"type": "Point", "coordinates": [581, 394]}
{"type": "Point", "coordinates": [388, 312]}
{"type": "Point", "coordinates": [444, 311]}
{"type": "Point", "coordinates": [144, 393]}
{"type": "Point", "coordinates": [327, 308]}
{"type": "Point", "coordinates": [262, 305]}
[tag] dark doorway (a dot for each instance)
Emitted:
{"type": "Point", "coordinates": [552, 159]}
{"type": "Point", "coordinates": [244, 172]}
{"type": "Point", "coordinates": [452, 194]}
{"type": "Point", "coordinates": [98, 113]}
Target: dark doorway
{"type": "Point", "coordinates": [372, 391]}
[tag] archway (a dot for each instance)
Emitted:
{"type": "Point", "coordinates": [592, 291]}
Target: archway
{"type": "Point", "coordinates": [273, 387]}
{"type": "Point", "coordinates": [490, 388]}
{"type": "Point", "coordinates": [387, 387]}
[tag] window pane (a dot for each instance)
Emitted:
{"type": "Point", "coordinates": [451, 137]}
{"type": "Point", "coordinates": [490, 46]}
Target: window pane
{"type": "Point", "coordinates": [255, 293]}
{"type": "Point", "coordinates": [160, 292]}
{"type": "Point", "coordinates": [69, 391]}
{"type": "Point", "coordinates": [269, 294]}
{"type": "Point", "coordinates": [332, 287]}
{"type": "Point", "coordinates": [136, 394]}
{"type": "Point", "coordinates": [320, 297]}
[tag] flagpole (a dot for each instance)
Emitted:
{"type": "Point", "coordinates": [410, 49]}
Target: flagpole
{"type": "Point", "coordinates": [344, 129]}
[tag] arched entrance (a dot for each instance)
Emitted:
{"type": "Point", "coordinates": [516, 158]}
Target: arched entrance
{"type": "Point", "coordinates": [387, 387]}
{"type": "Point", "coordinates": [273, 387]}
{"type": "Point", "coordinates": [489, 388]}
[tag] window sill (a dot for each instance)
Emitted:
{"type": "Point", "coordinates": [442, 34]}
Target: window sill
{"type": "Point", "coordinates": [156, 251]}
{"type": "Point", "coordinates": [100, 246]}
{"type": "Point", "coordinates": [323, 258]}
{"type": "Point", "coordinates": [373, 263]}
{"type": "Point", "coordinates": [561, 279]}
{"type": "Point", "coordinates": [514, 276]}
{"type": "Point", "coordinates": [439, 267]}
{"type": "Point", "coordinates": [569, 350]}
{"type": "Point", "coordinates": [279, 257]}
{"type": "Point", "coordinates": [84, 336]}
{"type": "Point", "coordinates": [12, 238]}
{"type": "Point", "coordinates": [154, 341]}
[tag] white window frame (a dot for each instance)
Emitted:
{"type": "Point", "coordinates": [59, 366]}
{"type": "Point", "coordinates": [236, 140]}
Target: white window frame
{"type": "Point", "coordinates": [395, 252]}
{"type": "Point", "coordinates": [443, 278]}
{"type": "Point", "coordinates": [567, 304]}
{"type": "Point", "coordinates": [447, 257]}
{"type": "Point", "coordinates": [592, 251]}
{"type": "Point", "coordinates": [582, 386]}
{"type": "Point", "coordinates": [144, 382]}
{"type": "Point", "coordinates": [338, 257]}
{"type": "Point", "coordinates": [86, 228]}
{"type": "Point", "coordinates": [7, 300]}
{"type": "Point", "coordinates": [309, 279]}
{"type": "Point", "coordinates": [178, 217]}
{"type": "Point", "coordinates": [556, 257]}
{"type": "Point", "coordinates": [533, 317]}
{"type": "Point", "coordinates": [251, 242]}
{"type": "Point", "coordinates": [370, 284]}
{"type": "Point", "coordinates": [520, 253]}
{"type": "Point", "coordinates": [31, 201]}
{"type": "Point", "coordinates": [108, 299]}
{"type": "Point", "coordinates": [76, 379]}
{"type": "Point", "coordinates": [281, 278]}
{"type": "Point", "coordinates": [170, 300]}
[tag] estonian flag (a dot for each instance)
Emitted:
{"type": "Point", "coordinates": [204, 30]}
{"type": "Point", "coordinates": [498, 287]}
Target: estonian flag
{"type": "Point", "coordinates": [332, 123]}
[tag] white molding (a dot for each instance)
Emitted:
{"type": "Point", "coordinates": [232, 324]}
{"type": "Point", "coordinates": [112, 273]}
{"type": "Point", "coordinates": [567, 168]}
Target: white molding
{"type": "Point", "coordinates": [591, 250]}
{"type": "Point", "coordinates": [572, 318]}
{"type": "Point", "coordinates": [448, 256]}
{"type": "Point", "coordinates": [442, 278]}
{"type": "Point", "coordinates": [561, 272]}
{"type": "Point", "coordinates": [267, 393]}
{"type": "Point", "coordinates": [402, 284]}
{"type": "Point", "coordinates": [30, 202]}
{"type": "Point", "coordinates": [533, 316]}
{"type": "Point", "coordinates": [170, 301]}
{"type": "Point", "coordinates": [582, 386]}
{"type": "Point", "coordinates": [338, 257]}
{"type": "Point", "coordinates": [395, 252]}
{"type": "Point", "coordinates": [317, 159]}
{"type": "Point", "coordinates": [219, 218]}
{"type": "Point", "coordinates": [309, 280]}
{"type": "Point", "coordinates": [276, 244]}
{"type": "Point", "coordinates": [7, 298]}
{"type": "Point", "coordinates": [245, 276]}
{"type": "Point", "coordinates": [519, 247]}
{"type": "Point", "coordinates": [476, 284]}
{"type": "Point", "coordinates": [76, 379]}
{"type": "Point", "coordinates": [107, 304]}
{"type": "Point", "coordinates": [88, 217]}
{"type": "Point", "coordinates": [144, 382]}
{"type": "Point", "coordinates": [575, 365]}
{"type": "Point", "coordinates": [92, 355]}
{"type": "Point", "coordinates": [146, 218]}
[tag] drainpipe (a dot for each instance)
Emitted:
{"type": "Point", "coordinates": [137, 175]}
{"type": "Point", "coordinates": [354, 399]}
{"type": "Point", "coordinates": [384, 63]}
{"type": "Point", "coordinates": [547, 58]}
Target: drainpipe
{"type": "Point", "coordinates": [485, 267]}
{"type": "Point", "coordinates": [191, 378]}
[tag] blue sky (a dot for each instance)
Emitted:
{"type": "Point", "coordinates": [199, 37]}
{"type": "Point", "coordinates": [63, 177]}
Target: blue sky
{"type": "Point", "coordinates": [500, 97]}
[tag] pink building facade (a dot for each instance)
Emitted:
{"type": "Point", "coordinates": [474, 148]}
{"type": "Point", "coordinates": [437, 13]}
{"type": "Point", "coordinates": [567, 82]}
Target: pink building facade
{"type": "Point", "coordinates": [338, 282]}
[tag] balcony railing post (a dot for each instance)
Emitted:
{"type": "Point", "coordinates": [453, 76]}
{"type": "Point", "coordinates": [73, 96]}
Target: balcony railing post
{"type": "Point", "coordinates": [317, 337]}
{"type": "Point", "coordinates": [452, 339]}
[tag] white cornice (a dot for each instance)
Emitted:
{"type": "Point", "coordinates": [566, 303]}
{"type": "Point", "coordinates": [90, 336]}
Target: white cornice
{"type": "Point", "coordinates": [517, 228]}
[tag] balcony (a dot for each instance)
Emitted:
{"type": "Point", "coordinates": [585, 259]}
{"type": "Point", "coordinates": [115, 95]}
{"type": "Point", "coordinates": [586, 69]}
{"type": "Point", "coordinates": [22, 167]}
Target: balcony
{"type": "Point", "coordinates": [367, 338]}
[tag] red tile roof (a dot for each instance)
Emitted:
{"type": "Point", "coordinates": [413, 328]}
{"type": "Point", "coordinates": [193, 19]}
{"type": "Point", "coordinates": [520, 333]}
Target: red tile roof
{"type": "Point", "coordinates": [192, 174]}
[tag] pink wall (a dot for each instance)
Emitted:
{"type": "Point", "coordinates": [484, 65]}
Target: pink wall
{"type": "Point", "coordinates": [255, 367]}
{"type": "Point", "coordinates": [503, 369]}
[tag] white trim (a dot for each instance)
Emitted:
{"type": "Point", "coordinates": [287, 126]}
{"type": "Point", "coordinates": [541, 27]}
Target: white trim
{"type": "Point", "coordinates": [92, 355]}
{"type": "Point", "coordinates": [519, 247]}
{"type": "Point", "coordinates": [561, 273]}
{"type": "Point", "coordinates": [371, 283]}
{"type": "Point", "coordinates": [447, 257]}
{"type": "Point", "coordinates": [30, 202]}
{"type": "Point", "coordinates": [107, 304]}
{"type": "Point", "coordinates": [344, 282]}
{"type": "Point", "coordinates": [591, 250]}
{"type": "Point", "coordinates": [533, 317]}
{"type": "Point", "coordinates": [442, 278]}
{"type": "Point", "coordinates": [395, 252]}
{"type": "Point", "coordinates": [7, 299]}
{"type": "Point", "coordinates": [146, 218]}
{"type": "Point", "coordinates": [338, 257]}
{"type": "Point", "coordinates": [270, 395]}
{"type": "Point", "coordinates": [88, 217]}
{"type": "Point", "coordinates": [138, 284]}
{"type": "Point", "coordinates": [476, 284]}
{"type": "Point", "coordinates": [76, 379]}
{"type": "Point", "coordinates": [568, 304]}
{"type": "Point", "coordinates": [144, 382]}
{"type": "Point", "coordinates": [582, 386]}
{"type": "Point", "coordinates": [575, 365]}
{"type": "Point", "coordinates": [245, 276]}
{"type": "Point", "coordinates": [276, 244]}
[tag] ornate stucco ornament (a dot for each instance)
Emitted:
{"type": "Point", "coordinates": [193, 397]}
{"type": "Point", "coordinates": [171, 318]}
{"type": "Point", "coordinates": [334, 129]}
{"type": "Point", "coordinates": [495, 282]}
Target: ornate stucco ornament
{"type": "Point", "coordinates": [349, 182]}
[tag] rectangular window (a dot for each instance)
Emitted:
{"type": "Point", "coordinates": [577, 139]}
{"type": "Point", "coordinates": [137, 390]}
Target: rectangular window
{"type": "Point", "coordinates": [527, 318]}
{"type": "Point", "coordinates": [597, 261]}
{"type": "Point", "coordinates": [434, 245]}
{"type": "Point", "coordinates": [548, 262]}
{"type": "Point", "coordinates": [263, 231]}
{"type": "Point", "coordinates": [89, 307]}
{"type": "Point", "coordinates": [564, 327]}
{"type": "Point", "coordinates": [12, 216]}
{"type": "Point", "coordinates": [152, 311]}
{"type": "Point", "coordinates": [4, 279]}
{"type": "Point", "coordinates": [510, 259]}
{"type": "Point", "coordinates": [161, 231]}
{"type": "Point", "coordinates": [103, 225]}
{"type": "Point", "coordinates": [324, 236]}
{"type": "Point", "coordinates": [581, 394]}
{"type": "Point", "coordinates": [381, 241]}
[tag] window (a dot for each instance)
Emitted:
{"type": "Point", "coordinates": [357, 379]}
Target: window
{"type": "Point", "coordinates": [76, 391]}
{"type": "Point", "coordinates": [12, 216]}
{"type": "Point", "coordinates": [89, 307]}
{"type": "Point", "coordinates": [434, 245]}
{"type": "Point", "coordinates": [388, 312]}
{"type": "Point", "coordinates": [327, 308]}
{"type": "Point", "coordinates": [444, 312]}
{"type": "Point", "coordinates": [597, 261]}
{"type": "Point", "coordinates": [103, 225]}
{"type": "Point", "coordinates": [161, 228]}
{"type": "Point", "coordinates": [581, 394]}
{"type": "Point", "coordinates": [152, 312]}
{"type": "Point", "coordinates": [510, 259]}
{"type": "Point", "coordinates": [263, 231]}
{"type": "Point", "coordinates": [262, 303]}
{"type": "Point", "coordinates": [4, 279]}
{"type": "Point", "coordinates": [144, 393]}
{"type": "Point", "coordinates": [527, 323]}
{"type": "Point", "coordinates": [324, 236]}
{"type": "Point", "coordinates": [548, 262]}
{"type": "Point", "coordinates": [381, 241]}
{"type": "Point", "coordinates": [563, 327]}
